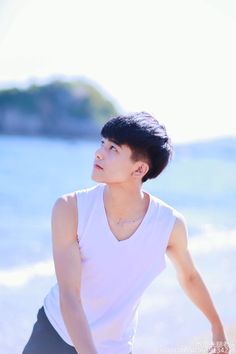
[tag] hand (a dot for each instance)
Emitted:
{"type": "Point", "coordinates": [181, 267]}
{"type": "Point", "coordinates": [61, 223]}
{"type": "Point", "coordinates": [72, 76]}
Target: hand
{"type": "Point", "coordinates": [219, 341]}
{"type": "Point", "coordinates": [220, 347]}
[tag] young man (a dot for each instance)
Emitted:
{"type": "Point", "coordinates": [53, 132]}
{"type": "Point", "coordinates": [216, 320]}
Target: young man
{"type": "Point", "coordinates": [109, 243]}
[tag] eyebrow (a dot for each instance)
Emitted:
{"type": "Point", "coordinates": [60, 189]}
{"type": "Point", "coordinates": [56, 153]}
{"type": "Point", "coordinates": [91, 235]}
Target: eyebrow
{"type": "Point", "coordinates": [113, 141]}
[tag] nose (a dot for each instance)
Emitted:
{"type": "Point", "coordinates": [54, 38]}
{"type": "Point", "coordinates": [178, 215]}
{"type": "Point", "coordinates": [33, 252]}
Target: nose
{"type": "Point", "coordinates": [99, 154]}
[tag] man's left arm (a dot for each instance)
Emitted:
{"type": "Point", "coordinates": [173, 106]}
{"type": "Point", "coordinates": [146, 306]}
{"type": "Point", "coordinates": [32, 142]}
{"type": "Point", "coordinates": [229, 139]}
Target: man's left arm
{"type": "Point", "coordinates": [190, 279]}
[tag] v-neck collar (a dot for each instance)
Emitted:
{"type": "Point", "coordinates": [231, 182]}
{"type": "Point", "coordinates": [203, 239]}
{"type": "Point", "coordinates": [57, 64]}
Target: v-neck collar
{"type": "Point", "coordinates": [135, 234]}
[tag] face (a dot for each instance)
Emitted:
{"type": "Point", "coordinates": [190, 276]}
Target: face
{"type": "Point", "coordinates": [115, 163]}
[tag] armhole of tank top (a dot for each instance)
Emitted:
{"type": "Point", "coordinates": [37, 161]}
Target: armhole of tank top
{"type": "Point", "coordinates": [79, 215]}
{"type": "Point", "coordinates": [170, 227]}
{"type": "Point", "coordinates": [168, 230]}
{"type": "Point", "coordinates": [83, 198]}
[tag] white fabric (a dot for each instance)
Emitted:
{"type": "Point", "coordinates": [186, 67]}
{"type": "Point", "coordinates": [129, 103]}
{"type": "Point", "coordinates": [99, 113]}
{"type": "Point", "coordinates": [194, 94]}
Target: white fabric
{"type": "Point", "coordinates": [115, 273]}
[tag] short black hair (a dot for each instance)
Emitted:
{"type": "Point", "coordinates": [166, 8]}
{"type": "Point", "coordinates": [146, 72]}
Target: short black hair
{"type": "Point", "coordinates": [146, 137]}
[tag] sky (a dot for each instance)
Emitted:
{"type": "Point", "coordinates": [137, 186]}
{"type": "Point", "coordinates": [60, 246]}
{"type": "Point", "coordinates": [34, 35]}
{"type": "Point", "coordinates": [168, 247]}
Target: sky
{"type": "Point", "coordinates": [174, 59]}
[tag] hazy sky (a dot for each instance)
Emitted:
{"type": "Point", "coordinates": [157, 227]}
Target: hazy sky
{"type": "Point", "coordinates": [173, 58]}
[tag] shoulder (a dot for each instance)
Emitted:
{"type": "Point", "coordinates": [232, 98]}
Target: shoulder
{"type": "Point", "coordinates": [66, 205]}
{"type": "Point", "coordinates": [64, 217]}
{"type": "Point", "coordinates": [169, 211]}
{"type": "Point", "coordinates": [177, 221]}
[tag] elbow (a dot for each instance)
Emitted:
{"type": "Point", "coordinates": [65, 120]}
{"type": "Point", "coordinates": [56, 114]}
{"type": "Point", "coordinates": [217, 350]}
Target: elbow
{"type": "Point", "coordinates": [69, 298]}
{"type": "Point", "coordinates": [188, 278]}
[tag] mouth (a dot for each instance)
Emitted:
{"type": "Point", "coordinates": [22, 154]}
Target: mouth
{"type": "Point", "coordinates": [98, 167]}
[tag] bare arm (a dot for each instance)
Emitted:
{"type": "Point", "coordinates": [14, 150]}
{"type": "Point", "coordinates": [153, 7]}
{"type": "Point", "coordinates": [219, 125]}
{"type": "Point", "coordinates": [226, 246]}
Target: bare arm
{"type": "Point", "coordinates": [67, 261]}
{"type": "Point", "coordinates": [190, 279]}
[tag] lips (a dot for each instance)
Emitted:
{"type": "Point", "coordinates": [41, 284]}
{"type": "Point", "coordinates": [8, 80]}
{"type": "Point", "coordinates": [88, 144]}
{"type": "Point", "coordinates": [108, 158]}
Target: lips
{"type": "Point", "coordinates": [98, 166]}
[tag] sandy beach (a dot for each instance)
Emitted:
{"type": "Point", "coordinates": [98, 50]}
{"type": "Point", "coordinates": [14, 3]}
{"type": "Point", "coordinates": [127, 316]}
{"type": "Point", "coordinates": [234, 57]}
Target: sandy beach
{"type": "Point", "coordinates": [201, 344]}
{"type": "Point", "coordinates": [195, 345]}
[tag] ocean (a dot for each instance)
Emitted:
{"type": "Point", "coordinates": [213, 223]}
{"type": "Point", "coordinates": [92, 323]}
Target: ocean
{"type": "Point", "coordinates": [199, 182]}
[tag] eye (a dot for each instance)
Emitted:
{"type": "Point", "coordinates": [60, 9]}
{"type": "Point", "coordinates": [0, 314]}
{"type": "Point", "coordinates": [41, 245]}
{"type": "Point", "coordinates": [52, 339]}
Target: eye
{"type": "Point", "coordinates": [112, 146]}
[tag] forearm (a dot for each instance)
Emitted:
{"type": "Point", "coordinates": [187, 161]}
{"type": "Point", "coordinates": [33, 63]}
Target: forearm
{"type": "Point", "coordinates": [77, 325]}
{"type": "Point", "coordinates": [198, 293]}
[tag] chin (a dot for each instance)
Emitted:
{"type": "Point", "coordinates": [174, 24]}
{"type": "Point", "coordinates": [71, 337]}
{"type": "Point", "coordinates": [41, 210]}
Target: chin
{"type": "Point", "coordinates": [97, 178]}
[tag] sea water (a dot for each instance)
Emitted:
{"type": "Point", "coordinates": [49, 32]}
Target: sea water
{"type": "Point", "coordinates": [35, 171]}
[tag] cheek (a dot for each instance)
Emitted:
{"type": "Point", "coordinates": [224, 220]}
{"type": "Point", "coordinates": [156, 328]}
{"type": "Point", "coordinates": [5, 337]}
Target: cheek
{"type": "Point", "coordinates": [124, 168]}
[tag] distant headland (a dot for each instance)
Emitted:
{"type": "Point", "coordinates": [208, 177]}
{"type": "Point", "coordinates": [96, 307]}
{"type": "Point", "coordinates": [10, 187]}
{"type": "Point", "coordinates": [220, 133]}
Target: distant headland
{"type": "Point", "coordinates": [57, 109]}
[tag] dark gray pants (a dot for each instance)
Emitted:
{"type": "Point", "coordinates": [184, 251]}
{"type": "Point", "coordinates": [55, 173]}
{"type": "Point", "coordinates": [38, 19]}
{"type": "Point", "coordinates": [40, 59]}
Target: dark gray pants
{"type": "Point", "coordinates": [44, 339]}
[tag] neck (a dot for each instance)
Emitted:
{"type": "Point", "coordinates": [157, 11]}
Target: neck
{"type": "Point", "coordinates": [124, 201]}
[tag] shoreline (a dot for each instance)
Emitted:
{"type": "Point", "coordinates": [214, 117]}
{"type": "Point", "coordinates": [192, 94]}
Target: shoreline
{"type": "Point", "coordinates": [200, 344]}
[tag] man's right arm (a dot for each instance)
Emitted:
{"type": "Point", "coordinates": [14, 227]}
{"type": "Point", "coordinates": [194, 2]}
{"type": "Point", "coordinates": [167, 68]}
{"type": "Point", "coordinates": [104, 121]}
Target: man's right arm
{"type": "Point", "coordinates": [67, 262]}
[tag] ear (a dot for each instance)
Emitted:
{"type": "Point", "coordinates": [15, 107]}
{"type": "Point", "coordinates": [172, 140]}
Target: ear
{"type": "Point", "coordinates": [140, 170]}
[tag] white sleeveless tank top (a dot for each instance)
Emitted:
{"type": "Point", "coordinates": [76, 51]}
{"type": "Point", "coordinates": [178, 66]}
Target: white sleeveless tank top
{"type": "Point", "coordinates": [114, 273]}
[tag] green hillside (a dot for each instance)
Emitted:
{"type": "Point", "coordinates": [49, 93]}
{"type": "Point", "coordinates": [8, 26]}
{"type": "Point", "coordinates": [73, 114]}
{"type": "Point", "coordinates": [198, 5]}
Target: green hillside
{"type": "Point", "coordinates": [60, 108]}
